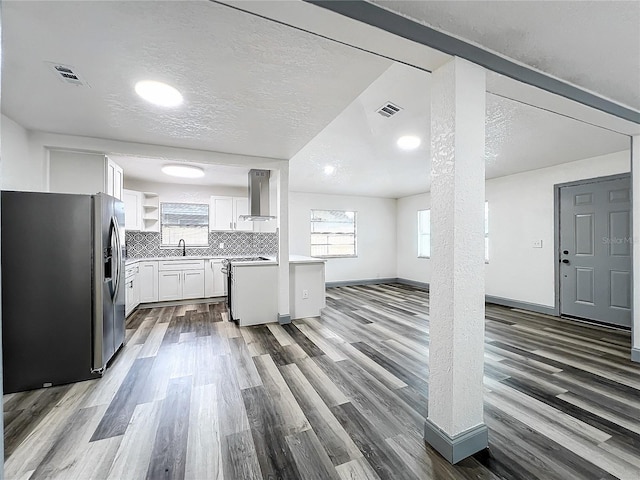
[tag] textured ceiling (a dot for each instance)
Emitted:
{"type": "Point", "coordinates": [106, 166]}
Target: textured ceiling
{"type": "Point", "coordinates": [251, 86]}
{"type": "Point", "coordinates": [361, 144]}
{"type": "Point", "coordinates": [149, 170]}
{"type": "Point", "coordinates": [255, 87]}
{"type": "Point", "coordinates": [592, 44]}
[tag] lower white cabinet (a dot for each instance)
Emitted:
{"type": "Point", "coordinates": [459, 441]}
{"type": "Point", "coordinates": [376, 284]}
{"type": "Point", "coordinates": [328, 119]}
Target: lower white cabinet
{"type": "Point", "coordinates": [180, 279]}
{"type": "Point", "coordinates": [213, 278]}
{"type": "Point", "coordinates": [193, 284]}
{"type": "Point", "coordinates": [131, 289]}
{"type": "Point", "coordinates": [148, 281]}
{"type": "Point", "coordinates": [170, 286]}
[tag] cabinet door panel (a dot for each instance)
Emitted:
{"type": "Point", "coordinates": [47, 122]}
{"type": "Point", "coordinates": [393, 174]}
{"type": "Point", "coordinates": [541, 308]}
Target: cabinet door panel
{"type": "Point", "coordinates": [132, 209]}
{"type": "Point", "coordinates": [148, 282]}
{"type": "Point", "coordinates": [221, 213]}
{"type": "Point", "coordinates": [218, 279]}
{"type": "Point", "coordinates": [170, 286]}
{"type": "Point", "coordinates": [193, 284]}
{"type": "Point", "coordinates": [128, 297]}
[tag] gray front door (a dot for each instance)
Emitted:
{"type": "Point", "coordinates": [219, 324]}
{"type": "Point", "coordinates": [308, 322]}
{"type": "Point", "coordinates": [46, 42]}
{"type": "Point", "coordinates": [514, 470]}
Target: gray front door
{"type": "Point", "coordinates": [595, 251]}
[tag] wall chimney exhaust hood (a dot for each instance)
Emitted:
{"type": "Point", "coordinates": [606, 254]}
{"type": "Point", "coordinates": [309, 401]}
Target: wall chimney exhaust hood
{"type": "Point", "coordinates": [258, 196]}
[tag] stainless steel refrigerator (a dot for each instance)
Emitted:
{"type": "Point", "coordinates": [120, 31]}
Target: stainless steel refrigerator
{"type": "Point", "coordinates": [62, 287]}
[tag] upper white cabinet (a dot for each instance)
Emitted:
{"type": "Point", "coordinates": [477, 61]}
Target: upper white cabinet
{"type": "Point", "coordinates": [141, 211]}
{"type": "Point", "coordinates": [132, 209]}
{"type": "Point", "coordinates": [114, 179]}
{"type": "Point", "coordinates": [224, 213]}
{"type": "Point", "coordinates": [88, 173]}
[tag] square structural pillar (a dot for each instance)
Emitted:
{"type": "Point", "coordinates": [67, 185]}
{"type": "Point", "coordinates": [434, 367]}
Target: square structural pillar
{"type": "Point", "coordinates": [455, 425]}
{"type": "Point", "coordinates": [635, 194]}
{"type": "Point", "coordinates": [284, 308]}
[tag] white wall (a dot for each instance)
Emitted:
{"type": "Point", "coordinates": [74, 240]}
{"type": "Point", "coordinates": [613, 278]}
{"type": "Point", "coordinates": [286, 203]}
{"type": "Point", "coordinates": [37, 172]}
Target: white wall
{"type": "Point", "coordinates": [18, 169]}
{"type": "Point", "coordinates": [170, 192]}
{"type": "Point", "coordinates": [521, 210]}
{"type": "Point", "coordinates": [411, 267]}
{"type": "Point", "coordinates": [376, 234]}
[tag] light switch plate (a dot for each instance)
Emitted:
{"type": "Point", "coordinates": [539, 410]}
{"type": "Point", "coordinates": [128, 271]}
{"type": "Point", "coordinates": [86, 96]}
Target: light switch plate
{"type": "Point", "coordinates": [537, 244]}
{"type": "Point", "coordinates": [221, 246]}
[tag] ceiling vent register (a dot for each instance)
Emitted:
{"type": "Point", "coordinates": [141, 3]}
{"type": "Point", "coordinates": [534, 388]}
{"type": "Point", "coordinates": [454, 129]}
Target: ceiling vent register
{"type": "Point", "coordinates": [67, 74]}
{"type": "Point", "coordinates": [389, 109]}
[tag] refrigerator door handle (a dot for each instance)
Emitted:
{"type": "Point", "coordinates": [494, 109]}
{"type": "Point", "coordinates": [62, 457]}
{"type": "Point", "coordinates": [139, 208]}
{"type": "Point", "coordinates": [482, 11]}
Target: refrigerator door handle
{"type": "Point", "coordinates": [116, 257]}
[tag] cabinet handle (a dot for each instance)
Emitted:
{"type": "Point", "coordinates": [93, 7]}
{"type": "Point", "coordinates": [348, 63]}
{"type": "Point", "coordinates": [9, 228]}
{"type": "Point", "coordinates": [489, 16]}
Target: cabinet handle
{"type": "Point", "coordinates": [230, 225]}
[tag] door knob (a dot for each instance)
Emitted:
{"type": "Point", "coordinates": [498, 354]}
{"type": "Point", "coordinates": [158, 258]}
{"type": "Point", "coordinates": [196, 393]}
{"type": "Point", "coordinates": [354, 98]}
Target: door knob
{"type": "Point", "coordinates": [564, 260]}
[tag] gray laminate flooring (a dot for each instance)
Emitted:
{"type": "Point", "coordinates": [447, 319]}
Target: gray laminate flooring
{"type": "Point", "coordinates": [344, 396]}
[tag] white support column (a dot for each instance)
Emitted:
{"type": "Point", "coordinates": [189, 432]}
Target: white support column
{"type": "Point", "coordinates": [284, 311]}
{"type": "Point", "coordinates": [635, 189]}
{"type": "Point", "coordinates": [455, 426]}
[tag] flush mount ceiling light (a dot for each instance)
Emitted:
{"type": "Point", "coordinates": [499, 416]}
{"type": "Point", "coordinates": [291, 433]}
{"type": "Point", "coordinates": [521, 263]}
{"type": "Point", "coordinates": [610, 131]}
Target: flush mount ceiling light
{"type": "Point", "coordinates": [409, 142]}
{"type": "Point", "coordinates": [329, 169]}
{"type": "Point", "coordinates": [158, 93]}
{"type": "Point", "coordinates": [184, 171]}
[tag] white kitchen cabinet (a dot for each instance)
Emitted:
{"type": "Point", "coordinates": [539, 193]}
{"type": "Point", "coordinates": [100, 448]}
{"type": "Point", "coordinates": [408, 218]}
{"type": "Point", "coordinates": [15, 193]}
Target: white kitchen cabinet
{"type": "Point", "coordinates": [148, 281]}
{"type": "Point", "coordinates": [86, 173]}
{"type": "Point", "coordinates": [193, 284]}
{"type": "Point", "coordinates": [141, 211]}
{"type": "Point", "coordinates": [180, 279]}
{"type": "Point", "coordinates": [169, 286]}
{"type": "Point", "coordinates": [114, 179]}
{"type": "Point", "coordinates": [224, 213]}
{"type": "Point", "coordinates": [213, 278]}
{"type": "Point", "coordinates": [132, 210]}
{"type": "Point", "coordinates": [132, 289]}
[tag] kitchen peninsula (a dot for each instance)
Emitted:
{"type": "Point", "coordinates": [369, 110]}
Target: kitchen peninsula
{"type": "Point", "coordinates": [250, 284]}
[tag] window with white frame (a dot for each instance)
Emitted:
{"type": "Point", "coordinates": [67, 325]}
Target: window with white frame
{"type": "Point", "coordinates": [188, 221]}
{"type": "Point", "coordinates": [424, 233]}
{"type": "Point", "coordinates": [333, 233]}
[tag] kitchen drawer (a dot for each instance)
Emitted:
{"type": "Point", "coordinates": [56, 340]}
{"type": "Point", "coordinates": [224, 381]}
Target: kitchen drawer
{"type": "Point", "coordinates": [164, 265]}
{"type": "Point", "coordinates": [130, 271]}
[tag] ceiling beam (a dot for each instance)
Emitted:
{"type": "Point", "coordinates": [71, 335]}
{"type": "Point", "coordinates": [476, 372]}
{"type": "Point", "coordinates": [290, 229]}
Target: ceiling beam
{"type": "Point", "coordinates": [396, 24]}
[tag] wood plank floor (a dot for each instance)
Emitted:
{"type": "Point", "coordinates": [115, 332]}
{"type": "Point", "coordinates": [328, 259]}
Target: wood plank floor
{"type": "Point", "coordinates": [344, 396]}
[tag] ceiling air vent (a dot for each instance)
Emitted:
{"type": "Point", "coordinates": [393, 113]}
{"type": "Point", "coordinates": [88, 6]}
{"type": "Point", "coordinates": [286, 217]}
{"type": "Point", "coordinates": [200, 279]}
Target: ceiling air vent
{"type": "Point", "coordinates": [67, 74]}
{"type": "Point", "coordinates": [389, 109]}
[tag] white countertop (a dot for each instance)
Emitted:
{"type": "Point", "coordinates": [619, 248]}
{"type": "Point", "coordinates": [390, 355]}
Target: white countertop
{"type": "Point", "coordinates": [271, 261]}
{"type": "Point", "coordinates": [131, 261]}
{"type": "Point", "coordinates": [304, 259]}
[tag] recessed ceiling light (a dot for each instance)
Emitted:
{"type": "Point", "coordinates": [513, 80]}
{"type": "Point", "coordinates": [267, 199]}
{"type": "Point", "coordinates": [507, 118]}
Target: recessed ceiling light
{"type": "Point", "coordinates": [158, 93]}
{"type": "Point", "coordinates": [409, 142]}
{"type": "Point", "coordinates": [329, 169]}
{"type": "Point", "coordinates": [184, 171]}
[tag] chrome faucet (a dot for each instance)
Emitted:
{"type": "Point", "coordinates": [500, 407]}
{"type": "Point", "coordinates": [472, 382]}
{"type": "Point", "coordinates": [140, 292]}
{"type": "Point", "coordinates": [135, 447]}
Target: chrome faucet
{"type": "Point", "coordinates": [184, 246]}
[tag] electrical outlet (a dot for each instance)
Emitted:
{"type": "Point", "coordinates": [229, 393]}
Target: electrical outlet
{"type": "Point", "coordinates": [221, 246]}
{"type": "Point", "coordinates": [537, 244]}
{"type": "Point", "coordinates": [305, 294]}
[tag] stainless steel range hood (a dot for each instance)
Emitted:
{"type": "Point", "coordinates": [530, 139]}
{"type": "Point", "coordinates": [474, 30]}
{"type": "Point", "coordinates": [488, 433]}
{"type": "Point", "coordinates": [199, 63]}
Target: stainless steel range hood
{"type": "Point", "coordinates": [258, 196]}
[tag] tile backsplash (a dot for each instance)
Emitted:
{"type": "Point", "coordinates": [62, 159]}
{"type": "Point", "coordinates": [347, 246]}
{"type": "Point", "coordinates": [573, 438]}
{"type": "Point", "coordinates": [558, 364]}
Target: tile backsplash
{"type": "Point", "coordinates": [241, 244]}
